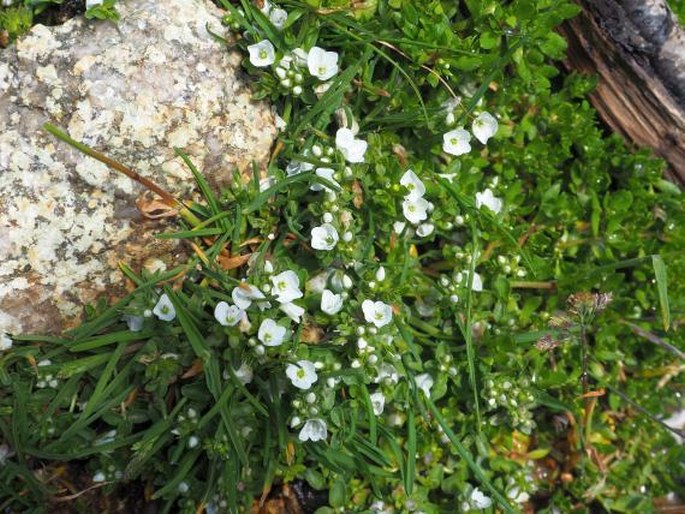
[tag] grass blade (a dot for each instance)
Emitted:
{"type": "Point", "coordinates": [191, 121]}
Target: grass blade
{"type": "Point", "coordinates": [662, 285]}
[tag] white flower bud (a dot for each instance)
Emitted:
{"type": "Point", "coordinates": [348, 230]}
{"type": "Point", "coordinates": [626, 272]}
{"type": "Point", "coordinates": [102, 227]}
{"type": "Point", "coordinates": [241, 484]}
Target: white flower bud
{"type": "Point", "coordinates": [380, 274]}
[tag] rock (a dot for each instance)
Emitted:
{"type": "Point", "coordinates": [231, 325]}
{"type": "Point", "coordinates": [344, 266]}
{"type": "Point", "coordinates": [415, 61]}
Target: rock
{"type": "Point", "coordinates": [134, 91]}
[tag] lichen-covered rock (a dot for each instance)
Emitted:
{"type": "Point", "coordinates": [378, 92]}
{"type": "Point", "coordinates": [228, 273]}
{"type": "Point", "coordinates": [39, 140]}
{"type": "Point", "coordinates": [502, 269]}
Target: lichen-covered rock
{"type": "Point", "coordinates": [134, 91]}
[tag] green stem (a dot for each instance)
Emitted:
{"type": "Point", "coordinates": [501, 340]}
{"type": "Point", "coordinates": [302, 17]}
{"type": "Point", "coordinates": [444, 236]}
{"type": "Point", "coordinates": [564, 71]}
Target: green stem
{"type": "Point", "coordinates": [168, 199]}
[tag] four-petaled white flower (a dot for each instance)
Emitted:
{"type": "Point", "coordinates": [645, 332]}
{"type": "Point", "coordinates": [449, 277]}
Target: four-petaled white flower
{"type": "Point", "coordinates": [244, 373]}
{"type": "Point", "coordinates": [134, 323]}
{"type": "Point", "coordinates": [286, 286]}
{"type": "Point", "coordinates": [425, 229]}
{"type": "Point", "coordinates": [262, 54]}
{"type": "Point", "coordinates": [377, 403]}
{"type": "Point", "coordinates": [5, 342]}
{"type": "Point", "coordinates": [353, 149]}
{"type": "Point", "coordinates": [479, 500]}
{"type": "Point", "coordinates": [484, 127]}
{"type": "Point", "coordinates": [387, 374]}
{"type": "Point", "coordinates": [297, 167]}
{"type": "Point", "coordinates": [244, 294]}
{"type": "Point", "coordinates": [415, 210]}
{"type": "Point", "coordinates": [302, 375]}
{"type": "Point", "coordinates": [271, 333]}
{"type": "Point", "coordinates": [378, 313]}
{"type": "Point", "coordinates": [164, 309]}
{"type": "Point", "coordinates": [300, 56]}
{"type": "Point", "coordinates": [413, 183]}
{"type": "Point", "coordinates": [325, 173]}
{"type": "Point", "coordinates": [324, 237]}
{"type": "Point", "coordinates": [313, 430]}
{"type": "Point", "coordinates": [488, 199]}
{"type": "Point", "coordinates": [278, 17]}
{"type": "Point", "coordinates": [456, 142]}
{"type": "Point", "coordinates": [294, 312]}
{"type": "Point", "coordinates": [322, 64]}
{"type": "Point", "coordinates": [424, 382]}
{"type": "Point", "coordinates": [331, 303]}
{"type": "Point", "coordinates": [228, 315]}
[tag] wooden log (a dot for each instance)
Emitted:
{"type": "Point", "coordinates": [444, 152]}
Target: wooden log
{"type": "Point", "coordinates": [637, 50]}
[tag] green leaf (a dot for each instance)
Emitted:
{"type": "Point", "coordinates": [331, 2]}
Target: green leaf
{"type": "Point", "coordinates": [662, 286]}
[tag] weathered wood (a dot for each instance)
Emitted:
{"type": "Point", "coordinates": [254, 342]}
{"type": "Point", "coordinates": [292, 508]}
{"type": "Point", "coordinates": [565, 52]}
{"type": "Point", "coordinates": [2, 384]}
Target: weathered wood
{"type": "Point", "coordinates": [637, 50]}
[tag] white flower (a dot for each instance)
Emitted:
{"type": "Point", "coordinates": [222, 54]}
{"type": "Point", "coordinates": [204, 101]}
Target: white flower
{"type": "Point", "coordinates": [479, 500]}
{"type": "Point", "coordinates": [353, 149]}
{"type": "Point", "coordinates": [324, 237]}
{"type": "Point", "coordinates": [387, 373]}
{"type": "Point", "coordinates": [280, 123]}
{"type": "Point", "coordinates": [331, 303]}
{"type": "Point", "coordinates": [270, 333]}
{"type": "Point", "coordinates": [297, 167]}
{"type": "Point", "coordinates": [262, 54]}
{"type": "Point", "coordinates": [326, 173]}
{"type": "Point", "coordinates": [244, 294]}
{"type": "Point", "coordinates": [89, 3]}
{"type": "Point", "coordinates": [294, 312]}
{"type": "Point", "coordinates": [398, 226]}
{"type": "Point", "coordinates": [302, 375]}
{"type": "Point", "coordinates": [5, 342]}
{"type": "Point", "coordinates": [415, 210]}
{"type": "Point", "coordinates": [322, 64]}
{"type": "Point", "coordinates": [164, 309]}
{"type": "Point", "coordinates": [425, 229]}
{"type": "Point", "coordinates": [278, 17]}
{"type": "Point", "coordinates": [516, 495]}
{"type": "Point", "coordinates": [134, 323]}
{"type": "Point", "coordinates": [378, 403]}
{"type": "Point", "coordinates": [456, 142]}
{"type": "Point", "coordinates": [476, 283]}
{"type": "Point", "coordinates": [244, 373]}
{"type": "Point", "coordinates": [488, 199]}
{"type": "Point", "coordinates": [378, 313]}
{"type": "Point", "coordinates": [228, 315]}
{"type": "Point", "coordinates": [313, 430]}
{"type": "Point", "coordinates": [484, 127]}
{"type": "Point", "coordinates": [424, 382]}
{"type": "Point", "coordinates": [98, 477]}
{"type": "Point", "coordinates": [413, 183]}
{"type": "Point", "coordinates": [300, 56]}
{"type": "Point", "coordinates": [286, 286]}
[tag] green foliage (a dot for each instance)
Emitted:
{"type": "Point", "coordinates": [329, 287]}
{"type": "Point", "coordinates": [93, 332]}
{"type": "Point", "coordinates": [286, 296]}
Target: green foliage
{"type": "Point", "coordinates": [16, 21]}
{"type": "Point", "coordinates": [465, 384]}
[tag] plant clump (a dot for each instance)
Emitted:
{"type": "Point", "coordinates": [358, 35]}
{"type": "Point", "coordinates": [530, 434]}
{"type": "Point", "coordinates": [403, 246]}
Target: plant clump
{"type": "Point", "coordinates": [381, 313]}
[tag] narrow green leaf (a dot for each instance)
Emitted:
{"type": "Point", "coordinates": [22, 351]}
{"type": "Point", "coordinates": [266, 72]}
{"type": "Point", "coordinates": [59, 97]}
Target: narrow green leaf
{"type": "Point", "coordinates": [411, 453]}
{"type": "Point", "coordinates": [662, 287]}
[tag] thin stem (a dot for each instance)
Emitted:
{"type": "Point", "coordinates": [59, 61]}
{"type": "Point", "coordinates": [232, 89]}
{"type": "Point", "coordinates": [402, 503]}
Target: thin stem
{"type": "Point", "coordinates": [166, 197]}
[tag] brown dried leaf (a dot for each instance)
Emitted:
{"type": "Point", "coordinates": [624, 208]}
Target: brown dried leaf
{"type": "Point", "coordinates": [154, 208]}
{"type": "Point", "coordinates": [358, 199]}
{"type": "Point", "coordinates": [229, 263]}
{"type": "Point", "coordinates": [194, 370]}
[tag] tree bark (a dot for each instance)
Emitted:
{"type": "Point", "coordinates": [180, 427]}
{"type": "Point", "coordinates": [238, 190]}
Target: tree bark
{"type": "Point", "coordinates": [637, 50]}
